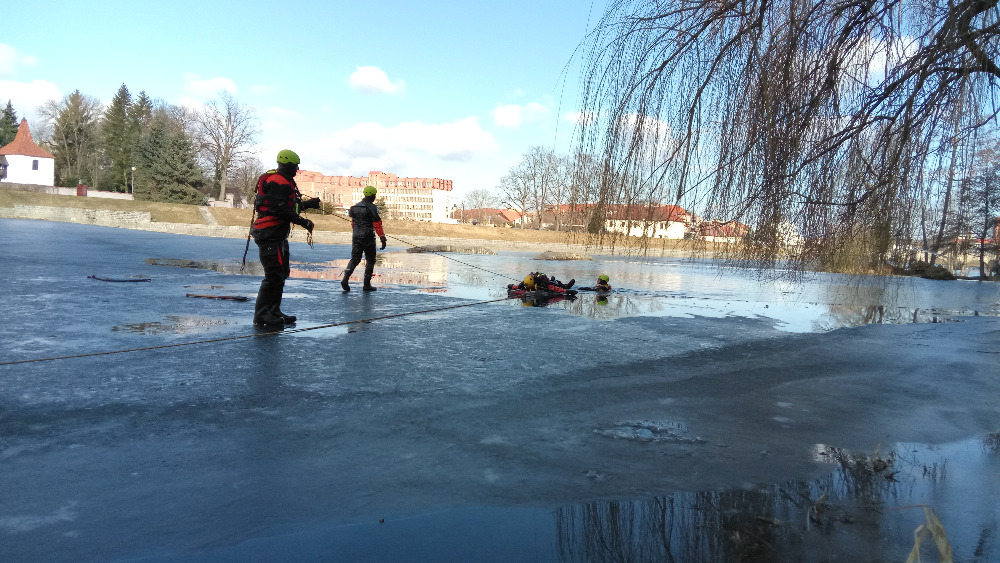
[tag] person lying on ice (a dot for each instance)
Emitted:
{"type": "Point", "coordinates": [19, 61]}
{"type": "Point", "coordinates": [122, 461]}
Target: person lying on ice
{"type": "Point", "coordinates": [603, 285]}
{"type": "Point", "coordinates": [539, 281]}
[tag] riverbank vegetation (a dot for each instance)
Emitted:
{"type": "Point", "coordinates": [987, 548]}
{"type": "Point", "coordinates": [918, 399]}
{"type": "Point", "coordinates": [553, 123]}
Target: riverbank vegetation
{"type": "Point", "coordinates": [870, 128]}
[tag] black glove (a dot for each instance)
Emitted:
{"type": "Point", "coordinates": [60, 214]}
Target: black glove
{"type": "Point", "coordinates": [311, 203]}
{"type": "Point", "coordinates": [383, 244]}
{"type": "Point", "coordinates": [308, 225]}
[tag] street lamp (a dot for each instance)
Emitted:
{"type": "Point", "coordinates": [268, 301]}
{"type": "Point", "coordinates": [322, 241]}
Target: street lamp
{"type": "Point", "coordinates": [132, 182]}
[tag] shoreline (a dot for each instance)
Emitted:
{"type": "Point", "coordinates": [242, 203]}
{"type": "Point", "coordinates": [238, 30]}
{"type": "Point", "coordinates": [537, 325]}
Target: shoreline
{"type": "Point", "coordinates": [141, 221]}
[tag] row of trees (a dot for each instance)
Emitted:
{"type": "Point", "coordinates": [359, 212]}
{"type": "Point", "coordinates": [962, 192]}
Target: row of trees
{"type": "Point", "coordinates": [958, 206]}
{"type": "Point", "coordinates": [860, 122]}
{"type": "Point", "coordinates": [542, 180]}
{"type": "Point", "coordinates": [160, 152]}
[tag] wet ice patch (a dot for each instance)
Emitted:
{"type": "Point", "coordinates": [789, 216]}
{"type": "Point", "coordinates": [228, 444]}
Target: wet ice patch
{"type": "Point", "coordinates": [494, 441]}
{"type": "Point", "coordinates": [651, 431]}
{"type": "Point", "coordinates": [20, 524]}
{"type": "Point", "coordinates": [175, 324]}
{"type": "Point", "coordinates": [313, 330]}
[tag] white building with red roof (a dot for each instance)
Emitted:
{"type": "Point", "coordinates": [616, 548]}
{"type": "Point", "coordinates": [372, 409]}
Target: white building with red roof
{"type": "Point", "coordinates": [24, 162]}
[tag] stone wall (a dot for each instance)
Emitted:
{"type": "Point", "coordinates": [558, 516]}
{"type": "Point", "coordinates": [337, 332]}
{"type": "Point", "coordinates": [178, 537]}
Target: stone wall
{"type": "Point", "coordinates": [56, 190]}
{"type": "Point", "coordinates": [102, 217]}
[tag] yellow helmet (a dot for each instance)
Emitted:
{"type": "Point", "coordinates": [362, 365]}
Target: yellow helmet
{"type": "Point", "coordinates": [288, 157]}
{"type": "Point", "coordinates": [529, 281]}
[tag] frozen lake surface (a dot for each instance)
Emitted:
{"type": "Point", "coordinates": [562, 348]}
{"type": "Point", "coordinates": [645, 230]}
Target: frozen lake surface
{"type": "Point", "coordinates": [697, 414]}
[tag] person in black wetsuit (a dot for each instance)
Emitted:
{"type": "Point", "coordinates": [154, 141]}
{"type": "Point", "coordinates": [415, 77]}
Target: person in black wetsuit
{"type": "Point", "coordinates": [277, 206]}
{"type": "Point", "coordinates": [366, 223]}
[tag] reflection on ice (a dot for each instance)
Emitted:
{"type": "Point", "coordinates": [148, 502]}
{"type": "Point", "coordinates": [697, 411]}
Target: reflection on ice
{"type": "Point", "coordinates": [651, 431]}
{"type": "Point", "coordinates": [664, 287]}
{"type": "Point", "coordinates": [175, 324]}
{"type": "Point", "coordinates": [803, 521]}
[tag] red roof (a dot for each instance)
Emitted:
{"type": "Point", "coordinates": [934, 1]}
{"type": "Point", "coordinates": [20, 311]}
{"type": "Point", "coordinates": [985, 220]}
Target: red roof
{"type": "Point", "coordinates": [510, 215]}
{"type": "Point", "coordinates": [22, 145]}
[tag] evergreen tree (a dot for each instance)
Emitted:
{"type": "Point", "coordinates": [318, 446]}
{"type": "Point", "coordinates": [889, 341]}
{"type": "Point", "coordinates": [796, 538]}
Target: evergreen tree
{"type": "Point", "coordinates": [8, 124]}
{"type": "Point", "coordinates": [166, 167]}
{"type": "Point", "coordinates": [118, 138]}
{"type": "Point", "coordinates": [139, 115]}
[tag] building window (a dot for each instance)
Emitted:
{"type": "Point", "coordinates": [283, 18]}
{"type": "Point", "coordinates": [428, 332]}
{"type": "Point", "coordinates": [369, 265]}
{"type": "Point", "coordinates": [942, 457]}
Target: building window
{"type": "Point", "coordinates": [34, 164]}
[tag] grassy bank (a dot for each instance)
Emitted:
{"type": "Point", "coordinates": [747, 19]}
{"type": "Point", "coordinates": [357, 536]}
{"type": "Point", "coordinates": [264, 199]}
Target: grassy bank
{"type": "Point", "coordinates": [190, 214]}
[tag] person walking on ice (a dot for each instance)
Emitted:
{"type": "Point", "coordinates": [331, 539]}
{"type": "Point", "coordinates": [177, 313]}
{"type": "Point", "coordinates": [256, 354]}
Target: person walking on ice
{"type": "Point", "coordinates": [366, 223]}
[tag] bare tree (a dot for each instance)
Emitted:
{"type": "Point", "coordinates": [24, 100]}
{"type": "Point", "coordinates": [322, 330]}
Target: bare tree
{"type": "Point", "coordinates": [478, 199]}
{"type": "Point", "coordinates": [245, 174]}
{"type": "Point", "coordinates": [818, 113]}
{"type": "Point", "coordinates": [978, 213]}
{"type": "Point", "coordinates": [74, 125]}
{"type": "Point", "coordinates": [515, 188]}
{"type": "Point", "coordinates": [228, 131]}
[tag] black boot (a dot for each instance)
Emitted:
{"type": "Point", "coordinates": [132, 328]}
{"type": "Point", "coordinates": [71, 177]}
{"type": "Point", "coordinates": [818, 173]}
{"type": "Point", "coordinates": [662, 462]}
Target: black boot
{"type": "Point", "coordinates": [571, 282]}
{"type": "Point", "coordinates": [276, 310]}
{"type": "Point", "coordinates": [262, 314]}
{"type": "Point", "coordinates": [287, 319]}
{"type": "Point", "coordinates": [343, 283]}
{"type": "Point", "coordinates": [369, 272]}
{"type": "Point", "coordinates": [268, 319]}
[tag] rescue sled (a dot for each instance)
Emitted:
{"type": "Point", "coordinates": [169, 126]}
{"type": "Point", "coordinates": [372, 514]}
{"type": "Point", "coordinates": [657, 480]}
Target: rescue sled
{"type": "Point", "coordinates": [513, 292]}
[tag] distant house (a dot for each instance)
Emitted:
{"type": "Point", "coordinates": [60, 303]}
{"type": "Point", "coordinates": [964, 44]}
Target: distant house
{"type": "Point", "coordinates": [24, 162]}
{"type": "Point", "coordinates": [656, 221]}
{"type": "Point", "coordinates": [721, 231]}
{"type": "Point", "coordinates": [510, 216]}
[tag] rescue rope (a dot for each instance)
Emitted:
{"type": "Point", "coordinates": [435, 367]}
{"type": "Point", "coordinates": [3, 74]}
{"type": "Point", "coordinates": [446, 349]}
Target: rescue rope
{"type": "Point", "coordinates": [245, 336]}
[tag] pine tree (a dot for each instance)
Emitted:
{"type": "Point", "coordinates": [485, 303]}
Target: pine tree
{"type": "Point", "coordinates": [8, 124]}
{"type": "Point", "coordinates": [166, 167]}
{"type": "Point", "coordinates": [139, 115]}
{"type": "Point", "coordinates": [118, 138]}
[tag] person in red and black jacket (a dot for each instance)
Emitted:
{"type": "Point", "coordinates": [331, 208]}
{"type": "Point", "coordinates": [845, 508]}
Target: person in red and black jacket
{"type": "Point", "coordinates": [366, 223]}
{"type": "Point", "coordinates": [277, 205]}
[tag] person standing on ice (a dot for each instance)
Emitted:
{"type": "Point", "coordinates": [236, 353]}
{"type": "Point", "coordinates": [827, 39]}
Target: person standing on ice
{"type": "Point", "coordinates": [366, 223]}
{"type": "Point", "coordinates": [277, 206]}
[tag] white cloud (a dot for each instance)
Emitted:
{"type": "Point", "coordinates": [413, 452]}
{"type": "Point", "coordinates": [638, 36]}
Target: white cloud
{"type": "Point", "coordinates": [513, 116]}
{"type": "Point", "coordinates": [373, 80]}
{"type": "Point", "coordinates": [579, 118]}
{"type": "Point", "coordinates": [208, 88]}
{"type": "Point", "coordinates": [11, 60]}
{"type": "Point", "coordinates": [25, 97]}
{"type": "Point", "coordinates": [508, 116]}
{"type": "Point", "coordinates": [406, 149]}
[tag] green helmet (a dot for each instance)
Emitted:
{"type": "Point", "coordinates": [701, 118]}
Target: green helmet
{"type": "Point", "coordinates": [604, 278]}
{"type": "Point", "coordinates": [286, 156]}
{"type": "Point", "coordinates": [370, 190]}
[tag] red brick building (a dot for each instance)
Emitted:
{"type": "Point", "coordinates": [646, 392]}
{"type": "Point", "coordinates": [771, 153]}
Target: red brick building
{"type": "Point", "coordinates": [418, 199]}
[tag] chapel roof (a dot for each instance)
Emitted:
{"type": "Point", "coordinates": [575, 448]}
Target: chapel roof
{"type": "Point", "coordinates": [22, 145]}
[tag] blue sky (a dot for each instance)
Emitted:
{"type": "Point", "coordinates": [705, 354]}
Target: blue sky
{"type": "Point", "coordinates": [455, 90]}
